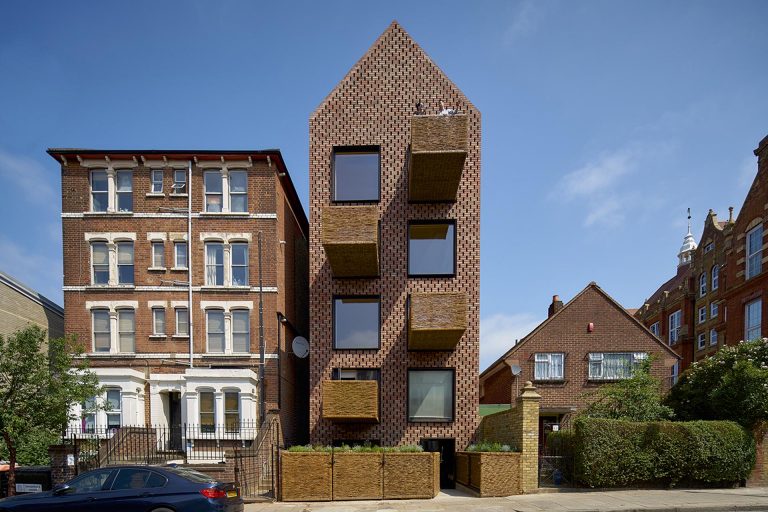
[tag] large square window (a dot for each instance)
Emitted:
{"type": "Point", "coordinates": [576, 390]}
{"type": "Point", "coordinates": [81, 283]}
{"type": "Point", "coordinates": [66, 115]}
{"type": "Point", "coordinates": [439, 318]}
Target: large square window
{"type": "Point", "coordinates": [548, 366]}
{"type": "Point", "coordinates": [356, 323]}
{"type": "Point", "coordinates": [356, 174]}
{"type": "Point", "coordinates": [430, 395]}
{"type": "Point", "coordinates": [432, 248]}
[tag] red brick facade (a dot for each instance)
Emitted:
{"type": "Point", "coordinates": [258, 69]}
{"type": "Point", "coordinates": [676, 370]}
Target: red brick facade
{"type": "Point", "coordinates": [373, 105]}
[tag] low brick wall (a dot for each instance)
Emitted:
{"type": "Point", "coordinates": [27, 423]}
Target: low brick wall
{"type": "Point", "coordinates": [490, 474]}
{"type": "Point", "coordinates": [759, 475]}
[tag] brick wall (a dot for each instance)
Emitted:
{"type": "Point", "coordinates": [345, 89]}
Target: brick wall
{"type": "Point", "coordinates": [17, 311]}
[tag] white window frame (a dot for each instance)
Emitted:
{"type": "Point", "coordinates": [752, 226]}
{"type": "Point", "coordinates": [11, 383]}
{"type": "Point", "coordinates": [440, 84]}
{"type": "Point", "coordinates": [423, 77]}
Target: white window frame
{"type": "Point", "coordinates": [714, 310]}
{"type": "Point", "coordinates": [237, 246]}
{"type": "Point", "coordinates": [158, 254]}
{"type": "Point", "coordinates": [209, 266]}
{"type": "Point", "coordinates": [709, 247]}
{"type": "Point", "coordinates": [702, 284]}
{"type": "Point", "coordinates": [228, 308]}
{"type": "Point", "coordinates": [237, 194]}
{"type": "Point", "coordinates": [715, 276]}
{"type": "Point", "coordinates": [179, 186]}
{"type": "Point", "coordinates": [713, 337]}
{"type": "Point", "coordinates": [232, 427]}
{"type": "Point", "coordinates": [120, 192]}
{"type": "Point", "coordinates": [223, 331]}
{"type": "Point", "coordinates": [156, 185]}
{"type": "Point", "coordinates": [208, 193]}
{"type": "Point", "coordinates": [114, 412]}
{"type": "Point", "coordinates": [595, 370]}
{"type": "Point", "coordinates": [177, 323]}
{"type": "Point", "coordinates": [546, 361]}
{"type": "Point", "coordinates": [674, 326]}
{"type": "Point", "coordinates": [100, 192]}
{"type": "Point", "coordinates": [93, 265]}
{"type": "Point", "coordinates": [108, 332]}
{"type": "Point", "coordinates": [701, 340]}
{"type": "Point", "coordinates": [131, 333]}
{"type": "Point", "coordinates": [207, 428]}
{"type": "Point", "coordinates": [655, 328]}
{"type": "Point", "coordinates": [702, 314]}
{"type": "Point", "coordinates": [176, 245]}
{"type": "Point", "coordinates": [753, 331]}
{"type": "Point", "coordinates": [754, 255]}
{"type": "Point", "coordinates": [124, 243]}
{"type": "Point", "coordinates": [247, 332]}
{"type": "Point", "coordinates": [158, 312]}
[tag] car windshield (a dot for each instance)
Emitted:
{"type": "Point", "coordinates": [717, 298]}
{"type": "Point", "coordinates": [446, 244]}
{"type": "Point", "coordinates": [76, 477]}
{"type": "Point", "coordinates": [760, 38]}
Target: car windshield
{"type": "Point", "coordinates": [191, 475]}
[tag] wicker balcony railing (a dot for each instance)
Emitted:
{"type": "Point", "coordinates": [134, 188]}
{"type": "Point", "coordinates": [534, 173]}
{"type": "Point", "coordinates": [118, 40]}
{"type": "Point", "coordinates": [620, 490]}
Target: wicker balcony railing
{"type": "Point", "coordinates": [351, 240]}
{"type": "Point", "coordinates": [438, 150]}
{"type": "Point", "coordinates": [351, 400]}
{"type": "Point", "coordinates": [436, 321]}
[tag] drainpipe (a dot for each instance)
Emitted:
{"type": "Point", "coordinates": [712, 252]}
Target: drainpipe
{"type": "Point", "coordinates": [262, 402]}
{"type": "Point", "coordinates": [189, 261]}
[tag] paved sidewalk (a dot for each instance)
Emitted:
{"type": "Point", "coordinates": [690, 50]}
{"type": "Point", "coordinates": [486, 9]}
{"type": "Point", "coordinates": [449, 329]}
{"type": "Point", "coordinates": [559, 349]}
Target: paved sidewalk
{"type": "Point", "coordinates": [709, 500]}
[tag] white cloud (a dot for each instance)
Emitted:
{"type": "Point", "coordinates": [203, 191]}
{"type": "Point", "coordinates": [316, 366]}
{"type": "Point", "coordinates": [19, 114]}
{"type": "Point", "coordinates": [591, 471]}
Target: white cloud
{"type": "Point", "coordinates": [38, 270]}
{"type": "Point", "coordinates": [598, 176]}
{"type": "Point", "coordinates": [524, 22]}
{"type": "Point", "coordinates": [499, 332]}
{"type": "Point", "coordinates": [29, 177]}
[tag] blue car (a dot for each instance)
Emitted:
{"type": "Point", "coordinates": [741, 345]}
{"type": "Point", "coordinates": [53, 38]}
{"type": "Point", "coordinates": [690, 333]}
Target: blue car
{"type": "Point", "coordinates": [133, 489]}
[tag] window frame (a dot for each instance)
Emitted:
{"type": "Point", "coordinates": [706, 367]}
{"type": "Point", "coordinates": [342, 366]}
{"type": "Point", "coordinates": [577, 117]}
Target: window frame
{"type": "Point", "coordinates": [206, 193]}
{"type": "Point", "coordinates": [370, 148]}
{"type": "Point", "coordinates": [679, 316]}
{"type": "Point", "coordinates": [425, 222]}
{"type": "Point", "coordinates": [230, 172]}
{"type": "Point", "coordinates": [122, 311]}
{"type": "Point", "coordinates": [749, 271]}
{"type": "Point", "coordinates": [702, 284]}
{"type": "Point", "coordinates": [713, 337]}
{"type": "Point", "coordinates": [119, 192]}
{"type": "Point", "coordinates": [153, 173]}
{"type": "Point", "coordinates": [176, 311]}
{"type": "Point", "coordinates": [93, 265]}
{"type": "Point", "coordinates": [100, 192]}
{"type": "Point", "coordinates": [714, 309]}
{"type": "Point", "coordinates": [377, 298]}
{"type": "Point", "coordinates": [155, 311]}
{"type": "Point", "coordinates": [208, 331]}
{"type": "Point", "coordinates": [229, 412]}
{"type": "Point", "coordinates": [206, 428]}
{"type": "Point", "coordinates": [759, 326]}
{"type": "Point", "coordinates": [176, 187]}
{"type": "Point", "coordinates": [702, 314]}
{"type": "Point", "coordinates": [452, 370]}
{"type": "Point", "coordinates": [549, 377]}
{"type": "Point", "coordinates": [633, 363]}
{"type": "Point", "coordinates": [176, 245]}
{"type": "Point", "coordinates": [114, 412]}
{"type": "Point", "coordinates": [655, 328]}
{"type": "Point", "coordinates": [155, 244]}
{"type": "Point", "coordinates": [216, 265]}
{"type": "Point", "coordinates": [715, 277]}
{"type": "Point", "coordinates": [232, 266]}
{"type": "Point", "coordinates": [701, 340]}
{"type": "Point", "coordinates": [125, 243]}
{"type": "Point", "coordinates": [240, 311]}
{"type": "Point", "coordinates": [94, 332]}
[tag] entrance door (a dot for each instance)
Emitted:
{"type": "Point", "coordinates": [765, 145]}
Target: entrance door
{"type": "Point", "coordinates": [547, 424]}
{"type": "Point", "coordinates": [174, 420]}
{"type": "Point", "coordinates": [447, 449]}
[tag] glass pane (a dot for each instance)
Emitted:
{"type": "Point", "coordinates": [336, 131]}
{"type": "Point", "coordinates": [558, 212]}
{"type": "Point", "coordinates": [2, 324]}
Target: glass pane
{"type": "Point", "coordinates": [239, 276]}
{"type": "Point", "coordinates": [90, 482]}
{"type": "Point", "coordinates": [356, 176]}
{"type": "Point", "coordinates": [124, 181]}
{"type": "Point", "coordinates": [157, 181]}
{"type": "Point", "coordinates": [125, 274]}
{"type": "Point", "coordinates": [239, 254]}
{"type": "Point", "coordinates": [213, 182]}
{"type": "Point", "coordinates": [156, 480]}
{"type": "Point", "coordinates": [113, 399]}
{"type": "Point", "coordinates": [238, 181]}
{"type": "Point", "coordinates": [125, 253]}
{"type": "Point", "coordinates": [99, 181]}
{"type": "Point", "coordinates": [127, 343]}
{"type": "Point", "coordinates": [231, 402]}
{"type": "Point", "coordinates": [240, 321]}
{"type": "Point", "coordinates": [101, 342]}
{"type": "Point", "coordinates": [431, 249]}
{"type": "Point", "coordinates": [101, 321]}
{"type": "Point", "coordinates": [356, 323]}
{"type": "Point", "coordinates": [206, 402]}
{"type": "Point", "coordinates": [430, 395]}
{"type": "Point", "coordinates": [159, 320]}
{"type": "Point", "coordinates": [238, 203]}
{"type": "Point", "coordinates": [100, 254]}
{"type": "Point", "coordinates": [126, 321]}
{"type": "Point", "coordinates": [216, 343]}
{"type": "Point", "coordinates": [181, 254]}
{"type": "Point", "coordinates": [130, 479]}
{"type": "Point", "coordinates": [215, 321]}
{"type": "Point", "coordinates": [158, 254]}
{"type": "Point", "coordinates": [240, 342]}
{"type": "Point", "coordinates": [182, 321]}
{"type": "Point", "coordinates": [100, 202]}
{"type": "Point", "coordinates": [212, 203]}
{"type": "Point", "coordinates": [113, 421]}
{"type": "Point", "coordinates": [124, 202]}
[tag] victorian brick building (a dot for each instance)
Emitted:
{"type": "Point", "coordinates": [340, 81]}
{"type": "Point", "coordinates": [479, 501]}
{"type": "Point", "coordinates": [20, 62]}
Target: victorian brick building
{"type": "Point", "coordinates": [169, 257]}
{"type": "Point", "coordinates": [394, 254]}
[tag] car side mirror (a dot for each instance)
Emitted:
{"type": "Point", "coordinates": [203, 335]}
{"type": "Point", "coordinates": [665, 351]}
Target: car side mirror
{"type": "Point", "coordinates": [61, 489]}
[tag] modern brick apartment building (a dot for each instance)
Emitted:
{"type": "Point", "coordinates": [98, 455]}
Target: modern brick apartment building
{"type": "Point", "coordinates": [21, 306]}
{"type": "Point", "coordinates": [583, 344]}
{"type": "Point", "coordinates": [395, 255]}
{"type": "Point", "coordinates": [135, 223]}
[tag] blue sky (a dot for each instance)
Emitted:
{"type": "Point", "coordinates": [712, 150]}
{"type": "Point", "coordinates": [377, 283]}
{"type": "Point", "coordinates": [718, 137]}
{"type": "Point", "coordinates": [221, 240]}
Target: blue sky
{"type": "Point", "coordinates": [602, 121]}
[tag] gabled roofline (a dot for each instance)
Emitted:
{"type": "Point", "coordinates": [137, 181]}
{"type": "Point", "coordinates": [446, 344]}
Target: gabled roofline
{"type": "Point", "coordinates": [31, 294]}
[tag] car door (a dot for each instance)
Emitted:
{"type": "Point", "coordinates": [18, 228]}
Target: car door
{"type": "Point", "coordinates": [82, 494]}
{"type": "Point", "coordinates": [132, 489]}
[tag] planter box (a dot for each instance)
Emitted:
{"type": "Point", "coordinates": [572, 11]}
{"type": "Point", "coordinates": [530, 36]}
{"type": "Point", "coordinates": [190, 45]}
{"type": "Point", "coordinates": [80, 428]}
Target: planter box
{"type": "Point", "coordinates": [490, 473]}
{"type": "Point", "coordinates": [357, 476]}
{"type": "Point", "coordinates": [411, 475]}
{"type": "Point", "coordinates": [436, 321]}
{"type": "Point", "coordinates": [306, 476]}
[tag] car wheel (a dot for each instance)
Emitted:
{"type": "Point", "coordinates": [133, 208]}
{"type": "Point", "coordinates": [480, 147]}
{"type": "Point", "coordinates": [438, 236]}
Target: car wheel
{"type": "Point", "coordinates": [162, 509]}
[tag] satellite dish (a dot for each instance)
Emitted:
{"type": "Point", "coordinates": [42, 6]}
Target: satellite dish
{"type": "Point", "coordinates": [516, 370]}
{"type": "Point", "coordinates": [300, 347]}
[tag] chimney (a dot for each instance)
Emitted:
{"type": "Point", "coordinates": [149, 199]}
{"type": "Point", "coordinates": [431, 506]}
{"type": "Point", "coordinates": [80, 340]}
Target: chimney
{"type": "Point", "coordinates": [730, 214]}
{"type": "Point", "coordinates": [556, 305]}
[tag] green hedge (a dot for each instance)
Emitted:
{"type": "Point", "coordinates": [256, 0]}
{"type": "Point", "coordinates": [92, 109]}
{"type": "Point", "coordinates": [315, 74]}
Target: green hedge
{"type": "Point", "coordinates": [616, 453]}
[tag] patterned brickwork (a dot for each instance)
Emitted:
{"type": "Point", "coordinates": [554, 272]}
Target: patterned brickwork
{"type": "Point", "coordinates": [373, 106]}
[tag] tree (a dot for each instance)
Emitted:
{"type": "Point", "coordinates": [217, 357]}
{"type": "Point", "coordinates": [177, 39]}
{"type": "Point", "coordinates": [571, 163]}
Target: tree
{"type": "Point", "coordinates": [38, 388]}
{"type": "Point", "coordinates": [638, 398]}
{"type": "Point", "coordinates": [730, 385]}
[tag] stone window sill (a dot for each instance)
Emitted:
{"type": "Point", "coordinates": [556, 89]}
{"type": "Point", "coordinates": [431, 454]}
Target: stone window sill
{"type": "Point", "coordinates": [181, 336]}
{"type": "Point", "coordinates": [155, 194]}
{"type": "Point", "coordinates": [174, 194]}
{"type": "Point", "coordinates": [212, 288]}
{"type": "Point", "coordinates": [110, 287]}
{"type": "Point", "coordinates": [106, 214]}
{"type": "Point", "coordinates": [224, 214]}
{"type": "Point", "coordinates": [157, 336]}
{"type": "Point", "coordinates": [179, 269]}
{"type": "Point", "coordinates": [156, 269]}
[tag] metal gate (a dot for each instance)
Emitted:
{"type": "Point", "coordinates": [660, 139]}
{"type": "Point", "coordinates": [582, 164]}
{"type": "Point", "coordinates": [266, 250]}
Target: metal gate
{"type": "Point", "coordinates": [556, 465]}
{"type": "Point", "coordinates": [256, 467]}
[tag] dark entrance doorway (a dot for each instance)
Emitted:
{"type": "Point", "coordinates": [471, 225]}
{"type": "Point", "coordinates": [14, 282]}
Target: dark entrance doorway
{"type": "Point", "coordinates": [547, 424]}
{"type": "Point", "coordinates": [174, 420]}
{"type": "Point", "coordinates": [447, 450]}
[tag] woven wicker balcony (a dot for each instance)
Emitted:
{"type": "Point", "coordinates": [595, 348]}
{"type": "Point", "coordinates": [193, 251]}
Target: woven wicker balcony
{"type": "Point", "coordinates": [351, 240]}
{"type": "Point", "coordinates": [436, 321]}
{"type": "Point", "coordinates": [351, 400]}
{"type": "Point", "coordinates": [438, 150]}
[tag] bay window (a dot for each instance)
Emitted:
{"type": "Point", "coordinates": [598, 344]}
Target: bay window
{"type": "Point", "coordinates": [207, 412]}
{"type": "Point", "coordinates": [114, 408]}
{"type": "Point", "coordinates": [232, 411]}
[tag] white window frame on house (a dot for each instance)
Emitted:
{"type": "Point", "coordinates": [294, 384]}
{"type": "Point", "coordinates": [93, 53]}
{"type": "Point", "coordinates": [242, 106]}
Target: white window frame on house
{"type": "Point", "coordinates": [112, 242]}
{"type": "Point", "coordinates": [549, 366]}
{"type": "Point", "coordinates": [176, 311]}
{"type": "Point", "coordinates": [715, 276]}
{"type": "Point", "coordinates": [114, 414]}
{"type": "Point", "coordinates": [224, 169]}
{"type": "Point", "coordinates": [207, 427]}
{"type": "Point", "coordinates": [702, 314]}
{"type": "Point", "coordinates": [229, 242]}
{"type": "Point", "coordinates": [655, 328]}
{"type": "Point", "coordinates": [179, 187]}
{"type": "Point", "coordinates": [126, 337]}
{"type": "Point", "coordinates": [713, 337]}
{"type": "Point", "coordinates": [241, 338]}
{"type": "Point", "coordinates": [229, 310]}
{"type": "Point", "coordinates": [754, 251]}
{"type": "Point", "coordinates": [159, 321]}
{"type": "Point", "coordinates": [702, 284]}
{"type": "Point", "coordinates": [88, 416]}
{"type": "Point", "coordinates": [101, 193]}
{"type": "Point", "coordinates": [714, 310]}
{"type": "Point", "coordinates": [158, 255]}
{"type": "Point", "coordinates": [674, 327]}
{"type": "Point", "coordinates": [232, 411]}
{"type": "Point", "coordinates": [709, 247]}
{"type": "Point", "coordinates": [238, 193]}
{"type": "Point", "coordinates": [239, 270]}
{"type": "Point", "coordinates": [102, 267]}
{"type": "Point", "coordinates": [99, 347]}
{"type": "Point", "coordinates": [617, 369]}
{"type": "Point", "coordinates": [222, 331]}
{"type": "Point", "coordinates": [122, 247]}
{"type": "Point", "coordinates": [701, 340]}
{"type": "Point", "coordinates": [156, 181]}
{"type": "Point", "coordinates": [177, 264]}
{"type": "Point", "coordinates": [753, 319]}
{"type": "Point", "coordinates": [124, 190]}
{"type": "Point", "coordinates": [212, 193]}
{"type": "Point", "coordinates": [115, 190]}
{"type": "Point", "coordinates": [212, 264]}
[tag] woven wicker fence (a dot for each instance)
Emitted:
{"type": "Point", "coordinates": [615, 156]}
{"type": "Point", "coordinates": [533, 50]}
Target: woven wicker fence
{"type": "Point", "coordinates": [436, 321]}
{"type": "Point", "coordinates": [490, 474]}
{"type": "Point", "coordinates": [351, 240]}
{"type": "Point", "coordinates": [306, 476]}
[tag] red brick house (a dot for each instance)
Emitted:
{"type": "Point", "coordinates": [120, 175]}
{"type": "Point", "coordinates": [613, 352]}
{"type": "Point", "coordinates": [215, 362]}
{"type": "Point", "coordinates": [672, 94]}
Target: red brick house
{"type": "Point", "coordinates": [583, 344]}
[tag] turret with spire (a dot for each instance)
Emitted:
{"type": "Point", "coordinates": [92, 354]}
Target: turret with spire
{"type": "Point", "coordinates": [689, 245]}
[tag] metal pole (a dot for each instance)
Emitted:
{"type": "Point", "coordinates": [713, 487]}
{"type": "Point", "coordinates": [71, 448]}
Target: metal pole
{"type": "Point", "coordinates": [189, 263]}
{"type": "Point", "coordinates": [262, 403]}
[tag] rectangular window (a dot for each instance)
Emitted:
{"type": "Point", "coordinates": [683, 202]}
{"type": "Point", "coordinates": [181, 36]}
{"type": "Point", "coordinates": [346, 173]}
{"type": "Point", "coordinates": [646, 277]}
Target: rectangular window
{"type": "Point", "coordinates": [431, 248]}
{"type": "Point", "coordinates": [241, 331]}
{"type": "Point", "coordinates": [157, 181]}
{"type": "Point", "coordinates": [102, 335]}
{"type": "Point", "coordinates": [180, 254]}
{"type": "Point", "coordinates": [213, 191]}
{"type": "Point", "coordinates": [703, 284]}
{"type": "Point", "coordinates": [114, 409]}
{"type": "Point", "coordinates": [215, 329]}
{"type": "Point", "coordinates": [356, 374]}
{"type": "Point", "coordinates": [124, 191]}
{"type": "Point", "coordinates": [232, 411]}
{"type": "Point", "coordinates": [655, 328]}
{"type": "Point", "coordinates": [715, 277]}
{"type": "Point", "coordinates": [753, 313]}
{"type": "Point", "coordinates": [89, 416]}
{"type": "Point", "coordinates": [99, 191]}
{"type": "Point", "coordinates": [207, 413]}
{"type": "Point", "coordinates": [548, 366]}
{"type": "Point", "coordinates": [238, 191]}
{"type": "Point", "coordinates": [179, 181]}
{"type": "Point", "coordinates": [356, 323]}
{"type": "Point", "coordinates": [674, 327]}
{"type": "Point", "coordinates": [158, 321]}
{"type": "Point", "coordinates": [714, 310]}
{"type": "Point", "coordinates": [675, 372]}
{"type": "Point", "coordinates": [701, 340]}
{"type": "Point", "coordinates": [100, 262]}
{"type": "Point", "coordinates": [754, 251]}
{"type": "Point", "coordinates": [239, 252]}
{"type": "Point", "coordinates": [709, 247]}
{"type": "Point", "coordinates": [126, 330]}
{"type": "Point", "coordinates": [713, 337]}
{"type": "Point", "coordinates": [356, 174]}
{"type": "Point", "coordinates": [158, 255]}
{"type": "Point", "coordinates": [430, 395]}
{"type": "Point", "coordinates": [614, 365]}
{"type": "Point", "coordinates": [702, 314]}
{"type": "Point", "coordinates": [214, 264]}
{"type": "Point", "coordinates": [125, 263]}
{"type": "Point", "coordinates": [182, 321]}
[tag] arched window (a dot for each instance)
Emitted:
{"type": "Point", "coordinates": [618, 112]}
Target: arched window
{"type": "Point", "coordinates": [715, 276]}
{"type": "Point", "coordinates": [703, 284]}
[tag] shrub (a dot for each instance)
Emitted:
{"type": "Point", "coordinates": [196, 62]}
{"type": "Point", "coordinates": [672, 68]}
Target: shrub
{"type": "Point", "coordinates": [616, 453]}
{"type": "Point", "coordinates": [366, 448]}
{"type": "Point", "coordinates": [309, 448]}
{"type": "Point", "coordinates": [488, 446]}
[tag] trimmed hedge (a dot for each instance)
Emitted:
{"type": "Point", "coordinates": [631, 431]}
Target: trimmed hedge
{"type": "Point", "coordinates": [616, 453]}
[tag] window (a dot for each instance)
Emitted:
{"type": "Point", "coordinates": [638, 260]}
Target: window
{"type": "Point", "coordinates": [548, 366]}
{"type": "Point", "coordinates": [127, 479]}
{"type": "Point", "coordinates": [356, 374]}
{"type": "Point", "coordinates": [239, 252]}
{"type": "Point", "coordinates": [713, 337]}
{"type": "Point", "coordinates": [88, 417]}
{"type": "Point", "coordinates": [703, 284]}
{"type": "Point", "coordinates": [356, 322]}
{"type": "Point", "coordinates": [179, 181]}
{"type": "Point", "coordinates": [655, 328]}
{"type": "Point", "coordinates": [356, 174]}
{"type": "Point", "coordinates": [90, 482]}
{"type": "Point", "coordinates": [701, 340]}
{"type": "Point", "coordinates": [158, 321]}
{"type": "Point", "coordinates": [674, 327]}
{"type": "Point", "coordinates": [215, 329]}
{"type": "Point", "coordinates": [702, 314]}
{"type": "Point", "coordinates": [126, 330]}
{"type": "Point", "coordinates": [709, 247]}
{"type": "Point", "coordinates": [715, 277]}
{"type": "Point", "coordinates": [232, 411]}
{"type": "Point", "coordinates": [754, 251]}
{"type": "Point", "coordinates": [180, 254]}
{"type": "Point", "coordinates": [207, 414]}
{"type": "Point", "coordinates": [614, 365]}
{"type": "Point", "coordinates": [102, 335]}
{"type": "Point", "coordinates": [214, 264]}
{"type": "Point", "coordinates": [100, 262]}
{"type": "Point", "coordinates": [431, 248]}
{"type": "Point", "coordinates": [213, 191]}
{"type": "Point", "coordinates": [753, 319]}
{"type": "Point", "coordinates": [99, 191]}
{"type": "Point", "coordinates": [125, 263]}
{"type": "Point", "coordinates": [714, 310]}
{"type": "Point", "coordinates": [238, 191]}
{"type": "Point", "coordinates": [124, 191]}
{"type": "Point", "coordinates": [182, 322]}
{"type": "Point", "coordinates": [430, 395]}
{"type": "Point", "coordinates": [158, 255]}
{"type": "Point", "coordinates": [675, 372]}
{"type": "Point", "coordinates": [114, 409]}
{"type": "Point", "coordinates": [241, 331]}
{"type": "Point", "coordinates": [157, 181]}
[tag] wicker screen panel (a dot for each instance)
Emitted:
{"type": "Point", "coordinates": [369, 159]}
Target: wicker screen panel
{"type": "Point", "coordinates": [351, 400]}
{"type": "Point", "coordinates": [436, 321]}
{"type": "Point", "coordinates": [357, 476]}
{"type": "Point", "coordinates": [438, 152]}
{"type": "Point", "coordinates": [351, 240]}
{"type": "Point", "coordinates": [306, 476]}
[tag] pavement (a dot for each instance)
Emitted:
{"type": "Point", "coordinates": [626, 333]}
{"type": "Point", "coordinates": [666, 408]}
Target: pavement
{"type": "Point", "coordinates": [646, 500]}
